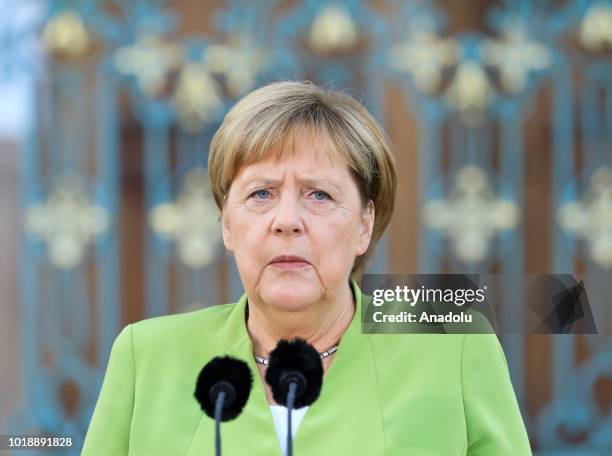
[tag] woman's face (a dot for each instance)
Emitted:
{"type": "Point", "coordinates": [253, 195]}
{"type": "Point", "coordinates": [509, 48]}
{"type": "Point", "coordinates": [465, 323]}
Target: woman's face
{"type": "Point", "coordinates": [303, 205]}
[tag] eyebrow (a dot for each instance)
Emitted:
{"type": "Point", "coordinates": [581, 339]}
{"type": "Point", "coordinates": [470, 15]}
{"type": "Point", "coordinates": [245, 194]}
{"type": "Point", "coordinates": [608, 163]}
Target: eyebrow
{"type": "Point", "coordinates": [254, 182]}
{"type": "Point", "coordinates": [308, 181]}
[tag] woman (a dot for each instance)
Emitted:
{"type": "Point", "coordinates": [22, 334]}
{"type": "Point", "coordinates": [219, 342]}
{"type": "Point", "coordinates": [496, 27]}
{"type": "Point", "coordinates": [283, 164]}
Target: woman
{"type": "Point", "coordinates": [305, 183]}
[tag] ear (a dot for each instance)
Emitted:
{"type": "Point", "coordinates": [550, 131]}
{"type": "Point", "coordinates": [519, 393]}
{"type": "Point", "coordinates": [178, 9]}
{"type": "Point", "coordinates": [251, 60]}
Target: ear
{"type": "Point", "coordinates": [367, 226]}
{"type": "Point", "coordinates": [227, 237]}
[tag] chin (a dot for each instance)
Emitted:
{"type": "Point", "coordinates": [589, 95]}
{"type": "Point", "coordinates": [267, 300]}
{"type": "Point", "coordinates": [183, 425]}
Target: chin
{"type": "Point", "coordinates": [290, 294]}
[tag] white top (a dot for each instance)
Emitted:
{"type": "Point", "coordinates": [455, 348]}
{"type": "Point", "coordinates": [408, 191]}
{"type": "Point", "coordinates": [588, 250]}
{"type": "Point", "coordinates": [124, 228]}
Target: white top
{"type": "Point", "coordinates": [279, 413]}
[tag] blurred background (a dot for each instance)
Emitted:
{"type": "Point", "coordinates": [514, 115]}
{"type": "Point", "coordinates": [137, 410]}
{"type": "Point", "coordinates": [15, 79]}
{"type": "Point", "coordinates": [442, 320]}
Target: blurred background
{"type": "Point", "coordinates": [500, 116]}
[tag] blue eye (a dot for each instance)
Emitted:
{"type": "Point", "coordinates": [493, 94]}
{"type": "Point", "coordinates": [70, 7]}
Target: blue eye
{"type": "Point", "coordinates": [322, 193]}
{"type": "Point", "coordinates": [259, 192]}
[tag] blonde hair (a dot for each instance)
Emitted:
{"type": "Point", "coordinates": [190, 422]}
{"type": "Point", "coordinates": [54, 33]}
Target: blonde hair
{"type": "Point", "coordinates": [271, 119]}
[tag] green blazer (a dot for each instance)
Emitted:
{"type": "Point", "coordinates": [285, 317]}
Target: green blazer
{"type": "Point", "coordinates": [387, 394]}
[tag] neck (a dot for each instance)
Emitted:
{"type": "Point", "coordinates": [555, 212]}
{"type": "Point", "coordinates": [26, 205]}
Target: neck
{"type": "Point", "coordinates": [321, 324]}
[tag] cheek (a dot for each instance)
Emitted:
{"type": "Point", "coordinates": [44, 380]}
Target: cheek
{"type": "Point", "coordinates": [337, 238]}
{"type": "Point", "coordinates": [247, 234]}
{"type": "Point", "coordinates": [238, 229]}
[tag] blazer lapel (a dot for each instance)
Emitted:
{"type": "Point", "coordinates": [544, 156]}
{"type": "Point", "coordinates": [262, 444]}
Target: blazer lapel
{"type": "Point", "coordinates": [349, 401]}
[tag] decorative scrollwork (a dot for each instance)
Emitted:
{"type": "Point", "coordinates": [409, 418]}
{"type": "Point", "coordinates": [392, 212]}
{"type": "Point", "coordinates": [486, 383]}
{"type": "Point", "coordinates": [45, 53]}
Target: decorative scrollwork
{"type": "Point", "coordinates": [470, 92]}
{"type": "Point", "coordinates": [67, 222]}
{"type": "Point", "coordinates": [190, 221]}
{"type": "Point", "coordinates": [65, 33]}
{"type": "Point", "coordinates": [333, 30]}
{"type": "Point", "coordinates": [515, 56]}
{"type": "Point", "coordinates": [596, 27]}
{"type": "Point", "coordinates": [148, 61]}
{"type": "Point", "coordinates": [424, 54]}
{"type": "Point", "coordinates": [591, 219]}
{"type": "Point", "coordinates": [472, 215]}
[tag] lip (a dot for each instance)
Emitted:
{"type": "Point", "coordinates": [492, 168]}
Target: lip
{"type": "Point", "coordinates": [289, 262]}
{"type": "Point", "coordinates": [288, 259]}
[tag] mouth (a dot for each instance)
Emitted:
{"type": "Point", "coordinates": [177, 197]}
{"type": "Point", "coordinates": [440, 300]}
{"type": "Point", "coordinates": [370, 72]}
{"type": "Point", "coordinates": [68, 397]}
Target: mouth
{"type": "Point", "coordinates": [289, 262]}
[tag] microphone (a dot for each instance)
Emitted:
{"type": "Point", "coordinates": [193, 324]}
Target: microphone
{"type": "Point", "coordinates": [295, 374]}
{"type": "Point", "coordinates": [222, 389]}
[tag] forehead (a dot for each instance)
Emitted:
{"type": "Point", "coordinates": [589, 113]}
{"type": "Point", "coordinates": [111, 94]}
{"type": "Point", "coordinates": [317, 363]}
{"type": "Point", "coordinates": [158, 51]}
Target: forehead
{"type": "Point", "coordinates": [308, 158]}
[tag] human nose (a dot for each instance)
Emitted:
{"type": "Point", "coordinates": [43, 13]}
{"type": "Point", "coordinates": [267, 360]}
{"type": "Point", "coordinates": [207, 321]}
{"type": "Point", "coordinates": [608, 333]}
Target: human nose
{"type": "Point", "coordinates": [288, 216]}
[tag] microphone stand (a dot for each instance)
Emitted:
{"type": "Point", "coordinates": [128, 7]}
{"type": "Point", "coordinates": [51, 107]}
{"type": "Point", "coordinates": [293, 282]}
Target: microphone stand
{"type": "Point", "coordinates": [218, 411]}
{"type": "Point", "coordinates": [290, 402]}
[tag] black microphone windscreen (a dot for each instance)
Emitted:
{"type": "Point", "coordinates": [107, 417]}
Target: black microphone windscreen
{"type": "Point", "coordinates": [297, 355]}
{"type": "Point", "coordinates": [224, 369]}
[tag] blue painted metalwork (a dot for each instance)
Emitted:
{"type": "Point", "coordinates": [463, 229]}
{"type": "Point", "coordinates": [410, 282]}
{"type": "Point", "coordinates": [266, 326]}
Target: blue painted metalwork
{"type": "Point", "coordinates": [56, 305]}
{"type": "Point", "coordinates": [570, 413]}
